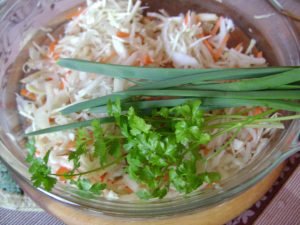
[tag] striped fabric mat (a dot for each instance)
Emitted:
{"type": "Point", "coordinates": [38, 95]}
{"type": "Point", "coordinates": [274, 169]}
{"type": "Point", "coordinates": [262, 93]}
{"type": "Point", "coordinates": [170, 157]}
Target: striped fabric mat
{"type": "Point", "coordinates": [11, 196]}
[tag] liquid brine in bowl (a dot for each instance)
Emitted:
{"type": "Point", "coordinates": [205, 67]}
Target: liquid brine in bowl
{"type": "Point", "coordinates": [24, 26]}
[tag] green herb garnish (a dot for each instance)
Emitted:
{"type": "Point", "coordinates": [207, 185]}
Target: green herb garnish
{"type": "Point", "coordinates": [40, 172]}
{"type": "Point", "coordinates": [158, 140]}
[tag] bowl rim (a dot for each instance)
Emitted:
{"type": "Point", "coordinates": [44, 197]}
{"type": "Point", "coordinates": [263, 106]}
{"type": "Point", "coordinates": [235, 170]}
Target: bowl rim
{"type": "Point", "coordinates": [161, 208]}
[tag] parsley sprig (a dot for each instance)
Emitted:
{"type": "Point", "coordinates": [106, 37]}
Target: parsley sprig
{"type": "Point", "coordinates": [159, 149]}
{"type": "Point", "coordinates": [165, 153]}
{"type": "Point", "coordinates": [40, 172]}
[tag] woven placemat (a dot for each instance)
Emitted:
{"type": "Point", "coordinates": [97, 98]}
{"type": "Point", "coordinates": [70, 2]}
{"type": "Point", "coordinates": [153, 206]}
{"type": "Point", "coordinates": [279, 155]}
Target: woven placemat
{"type": "Point", "coordinates": [11, 196]}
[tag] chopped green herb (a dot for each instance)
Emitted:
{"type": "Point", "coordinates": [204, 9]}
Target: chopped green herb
{"type": "Point", "coordinates": [161, 147]}
{"type": "Point", "coordinates": [40, 172]}
{"type": "Point", "coordinates": [100, 150]}
{"type": "Point", "coordinates": [87, 189]}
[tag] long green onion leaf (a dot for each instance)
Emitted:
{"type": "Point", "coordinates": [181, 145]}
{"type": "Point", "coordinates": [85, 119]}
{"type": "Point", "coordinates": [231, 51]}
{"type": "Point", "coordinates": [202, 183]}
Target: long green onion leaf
{"type": "Point", "coordinates": [91, 103]}
{"type": "Point", "coordinates": [262, 83]}
{"type": "Point", "coordinates": [223, 74]}
{"type": "Point", "coordinates": [131, 72]}
{"type": "Point", "coordinates": [150, 104]}
{"type": "Point", "coordinates": [70, 126]}
{"type": "Point", "coordinates": [158, 74]}
{"type": "Point", "coordinates": [255, 95]}
{"type": "Point", "coordinates": [274, 104]}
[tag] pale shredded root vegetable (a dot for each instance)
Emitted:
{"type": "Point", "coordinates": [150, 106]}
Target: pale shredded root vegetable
{"type": "Point", "coordinates": [116, 32]}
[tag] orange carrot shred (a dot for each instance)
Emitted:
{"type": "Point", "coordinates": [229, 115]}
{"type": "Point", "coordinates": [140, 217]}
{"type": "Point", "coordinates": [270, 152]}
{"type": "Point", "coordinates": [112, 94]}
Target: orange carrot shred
{"type": "Point", "coordinates": [216, 28]}
{"type": "Point", "coordinates": [61, 171]}
{"type": "Point", "coordinates": [52, 46]}
{"type": "Point", "coordinates": [259, 54]}
{"type": "Point", "coordinates": [219, 51]}
{"type": "Point", "coordinates": [27, 94]}
{"type": "Point", "coordinates": [186, 19]}
{"type": "Point", "coordinates": [206, 151]}
{"type": "Point", "coordinates": [201, 35]}
{"type": "Point", "coordinates": [56, 55]}
{"type": "Point", "coordinates": [108, 58]}
{"type": "Point", "coordinates": [52, 52]}
{"type": "Point", "coordinates": [61, 85]}
{"type": "Point", "coordinates": [146, 60]}
{"type": "Point", "coordinates": [209, 47]}
{"type": "Point", "coordinates": [70, 144]}
{"type": "Point", "coordinates": [121, 34]}
{"type": "Point", "coordinates": [207, 44]}
{"type": "Point", "coordinates": [128, 190]}
{"type": "Point", "coordinates": [102, 177]}
{"type": "Point", "coordinates": [257, 110]}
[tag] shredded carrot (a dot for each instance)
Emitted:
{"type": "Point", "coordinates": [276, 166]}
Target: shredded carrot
{"type": "Point", "coordinates": [257, 110]}
{"type": "Point", "coordinates": [56, 55]}
{"type": "Point", "coordinates": [209, 186]}
{"type": "Point", "coordinates": [109, 58]}
{"type": "Point", "coordinates": [206, 151]}
{"type": "Point", "coordinates": [51, 120]}
{"type": "Point", "coordinates": [52, 46]}
{"type": "Point", "coordinates": [28, 94]}
{"type": "Point", "coordinates": [61, 85]}
{"type": "Point", "coordinates": [186, 19]}
{"type": "Point", "coordinates": [52, 51]}
{"type": "Point", "coordinates": [61, 171]}
{"type": "Point", "coordinates": [74, 14]}
{"type": "Point", "coordinates": [216, 28]}
{"type": "Point", "coordinates": [71, 144]}
{"type": "Point", "coordinates": [219, 51]}
{"type": "Point", "coordinates": [121, 34]}
{"type": "Point", "coordinates": [102, 177]}
{"type": "Point", "coordinates": [208, 45]}
{"type": "Point", "coordinates": [239, 46]}
{"type": "Point", "coordinates": [201, 35]}
{"type": "Point", "coordinates": [49, 79]}
{"type": "Point", "coordinates": [128, 190]}
{"type": "Point", "coordinates": [259, 54]}
{"type": "Point", "coordinates": [146, 60]}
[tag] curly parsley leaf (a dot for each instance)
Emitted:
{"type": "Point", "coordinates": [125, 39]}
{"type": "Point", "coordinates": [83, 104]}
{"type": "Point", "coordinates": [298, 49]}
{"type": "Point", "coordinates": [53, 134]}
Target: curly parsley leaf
{"type": "Point", "coordinates": [40, 172]}
{"type": "Point", "coordinates": [155, 150]}
{"type": "Point", "coordinates": [114, 109]}
{"type": "Point", "coordinates": [184, 177]}
{"type": "Point", "coordinates": [100, 148]}
{"type": "Point", "coordinates": [136, 123]}
{"type": "Point", "coordinates": [115, 149]}
{"type": "Point", "coordinates": [162, 150]}
{"type": "Point", "coordinates": [87, 189]}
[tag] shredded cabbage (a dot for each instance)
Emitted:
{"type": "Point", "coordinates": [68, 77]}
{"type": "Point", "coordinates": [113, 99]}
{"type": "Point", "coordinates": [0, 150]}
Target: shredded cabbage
{"type": "Point", "coordinates": [116, 32]}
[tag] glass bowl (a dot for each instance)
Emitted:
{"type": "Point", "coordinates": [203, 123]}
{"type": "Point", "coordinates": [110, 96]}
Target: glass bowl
{"type": "Point", "coordinates": [20, 22]}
